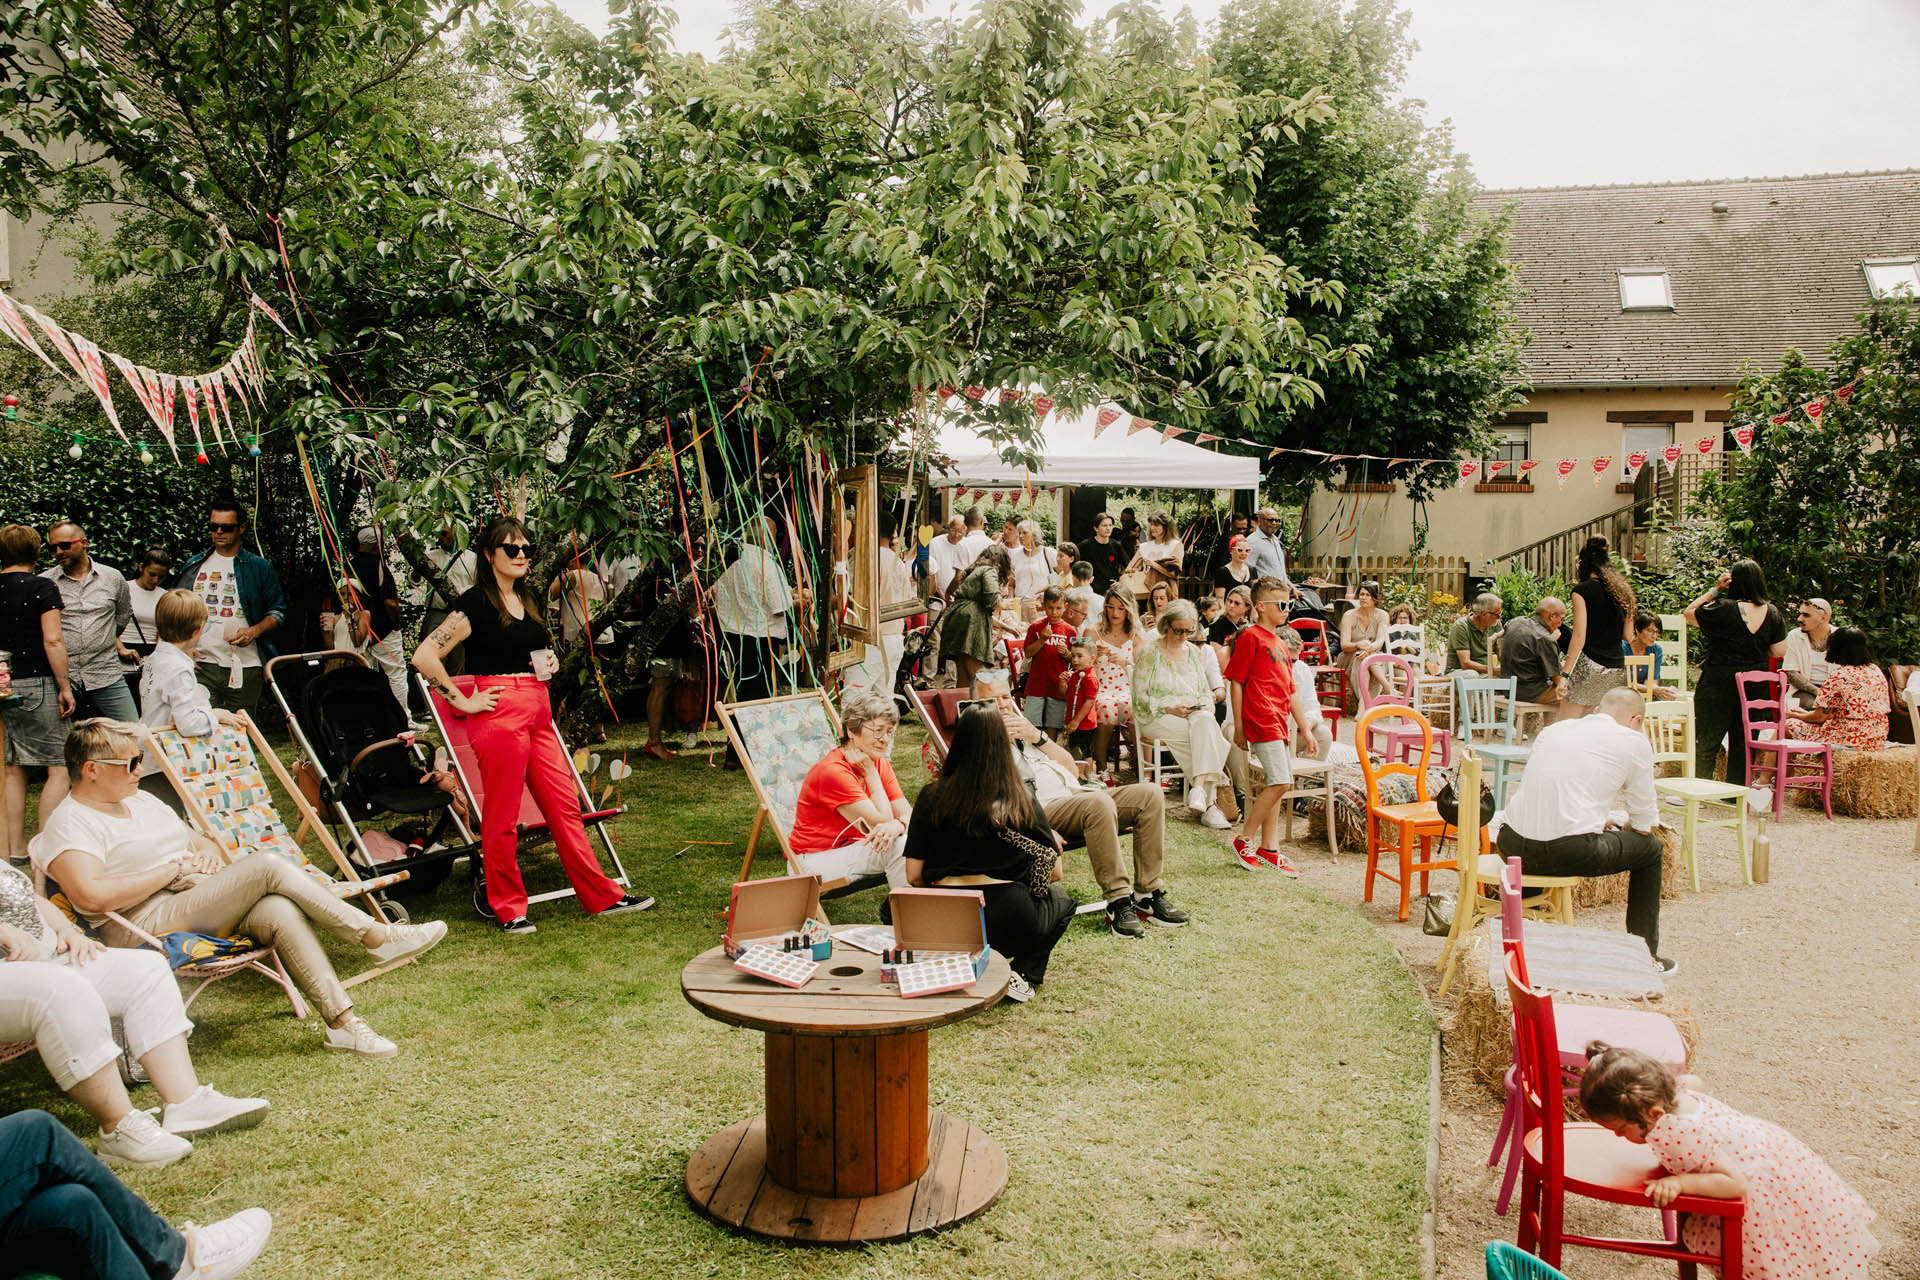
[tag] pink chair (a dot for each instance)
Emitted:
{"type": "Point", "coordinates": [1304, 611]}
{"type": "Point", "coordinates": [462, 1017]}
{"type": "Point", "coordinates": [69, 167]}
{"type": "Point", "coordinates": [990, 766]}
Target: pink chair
{"type": "Point", "coordinates": [1773, 700]}
{"type": "Point", "coordinates": [1578, 1025]}
{"type": "Point", "coordinates": [1398, 745]}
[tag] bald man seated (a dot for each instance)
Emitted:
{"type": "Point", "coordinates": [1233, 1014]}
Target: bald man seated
{"type": "Point", "coordinates": [1559, 822]}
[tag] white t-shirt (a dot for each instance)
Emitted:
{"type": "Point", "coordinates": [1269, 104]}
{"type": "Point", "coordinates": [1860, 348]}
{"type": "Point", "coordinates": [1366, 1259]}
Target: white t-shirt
{"type": "Point", "coordinates": [574, 584]}
{"type": "Point", "coordinates": [457, 569]}
{"type": "Point", "coordinates": [752, 597]}
{"type": "Point", "coordinates": [896, 587]}
{"type": "Point", "coordinates": [1168, 550]}
{"type": "Point", "coordinates": [140, 630]}
{"type": "Point", "coordinates": [149, 836]}
{"type": "Point", "coordinates": [945, 557]}
{"type": "Point", "coordinates": [972, 545]}
{"type": "Point", "coordinates": [1032, 571]}
{"type": "Point", "coordinates": [218, 583]}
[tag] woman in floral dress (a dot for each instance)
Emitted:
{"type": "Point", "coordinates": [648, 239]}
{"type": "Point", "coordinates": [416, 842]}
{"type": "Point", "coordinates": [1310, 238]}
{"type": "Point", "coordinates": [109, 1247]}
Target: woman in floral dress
{"type": "Point", "coordinates": [1852, 707]}
{"type": "Point", "coordinates": [1117, 635]}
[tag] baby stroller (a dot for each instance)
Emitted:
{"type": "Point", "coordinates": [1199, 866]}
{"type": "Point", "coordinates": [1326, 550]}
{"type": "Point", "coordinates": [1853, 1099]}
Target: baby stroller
{"type": "Point", "coordinates": [342, 715]}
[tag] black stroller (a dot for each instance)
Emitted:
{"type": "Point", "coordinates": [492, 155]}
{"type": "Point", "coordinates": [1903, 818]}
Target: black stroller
{"type": "Point", "coordinates": [342, 715]}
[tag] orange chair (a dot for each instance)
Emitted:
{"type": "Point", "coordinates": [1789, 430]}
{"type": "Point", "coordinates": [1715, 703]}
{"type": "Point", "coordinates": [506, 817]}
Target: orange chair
{"type": "Point", "coordinates": [1419, 820]}
{"type": "Point", "coordinates": [1585, 1159]}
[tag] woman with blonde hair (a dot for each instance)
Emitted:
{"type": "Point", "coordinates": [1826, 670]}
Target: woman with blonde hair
{"type": "Point", "coordinates": [1117, 638]}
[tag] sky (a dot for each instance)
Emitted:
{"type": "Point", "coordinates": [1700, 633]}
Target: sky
{"type": "Point", "coordinates": [1583, 92]}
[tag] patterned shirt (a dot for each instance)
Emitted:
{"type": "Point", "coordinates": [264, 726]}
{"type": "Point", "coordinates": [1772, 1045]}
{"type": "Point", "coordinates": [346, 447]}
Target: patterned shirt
{"type": "Point", "coordinates": [94, 610]}
{"type": "Point", "coordinates": [1160, 682]}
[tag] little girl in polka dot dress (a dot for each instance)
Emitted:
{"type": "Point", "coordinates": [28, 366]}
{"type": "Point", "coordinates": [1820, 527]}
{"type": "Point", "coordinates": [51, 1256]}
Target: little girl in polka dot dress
{"type": "Point", "coordinates": [1802, 1222]}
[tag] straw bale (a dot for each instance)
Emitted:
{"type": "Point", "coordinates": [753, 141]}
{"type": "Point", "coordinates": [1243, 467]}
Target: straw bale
{"type": "Point", "coordinates": [1479, 1030]}
{"type": "Point", "coordinates": [1606, 891]}
{"type": "Point", "coordinates": [1869, 784]}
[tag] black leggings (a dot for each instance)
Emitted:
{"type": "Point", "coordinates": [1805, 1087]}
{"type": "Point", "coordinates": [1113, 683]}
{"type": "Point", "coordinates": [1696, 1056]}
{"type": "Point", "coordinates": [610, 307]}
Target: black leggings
{"type": "Point", "coordinates": [1716, 715]}
{"type": "Point", "coordinates": [1024, 928]}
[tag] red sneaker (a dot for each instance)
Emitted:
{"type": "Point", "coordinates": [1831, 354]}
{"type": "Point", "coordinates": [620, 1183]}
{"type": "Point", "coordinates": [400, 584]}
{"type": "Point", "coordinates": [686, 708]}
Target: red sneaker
{"type": "Point", "coordinates": [1278, 861]}
{"type": "Point", "coordinates": [1243, 850]}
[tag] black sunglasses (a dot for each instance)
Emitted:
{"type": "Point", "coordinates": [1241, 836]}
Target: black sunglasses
{"type": "Point", "coordinates": [62, 546]}
{"type": "Point", "coordinates": [516, 550]}
{"type": "Point", "coordinates": [217, 527]}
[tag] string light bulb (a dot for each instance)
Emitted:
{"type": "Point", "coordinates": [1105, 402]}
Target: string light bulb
{"type": "Point", "coordinates": [74, 450]}
{"type": "Point", "coordinates": [146, 456]}
{"type": "Point", "coordinates": [253, 446]}
{"type": "Point", "coordinates": [201, 457]}
{"type": "Point", "coordinates": [13, 407]}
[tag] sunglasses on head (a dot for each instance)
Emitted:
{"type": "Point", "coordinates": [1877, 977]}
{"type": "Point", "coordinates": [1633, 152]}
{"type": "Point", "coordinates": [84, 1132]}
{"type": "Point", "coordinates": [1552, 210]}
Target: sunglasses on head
{"type": "Point", "coordinates": [218, 526]}
{"type": "Point", "coordinates": [516, 550]}
{"type": "Point", "coordinates": [70, 542]}
{"type": "Point", "coordinates": [131, 763]}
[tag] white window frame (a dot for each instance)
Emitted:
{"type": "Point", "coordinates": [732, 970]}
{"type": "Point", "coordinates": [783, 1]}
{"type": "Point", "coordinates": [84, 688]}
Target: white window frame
{"type": "Point", "coordinates": [1509, 434]}
{"type": "Point", "coordinates": [1907, 288]}
{"type": "Point", "coordinates": [1647, 273]}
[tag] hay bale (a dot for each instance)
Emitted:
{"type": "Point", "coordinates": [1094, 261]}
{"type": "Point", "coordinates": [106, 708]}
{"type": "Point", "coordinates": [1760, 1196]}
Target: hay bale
{"type": "Point", "coordinates": [1606, 891]}
{"type": "Point", "coordinates": [1870, 784]}
{"type": "Point", "coordinates": [1478, 1033]}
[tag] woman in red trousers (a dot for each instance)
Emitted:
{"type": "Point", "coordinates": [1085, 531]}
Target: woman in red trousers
{"type": "Point", "coordinates": [510, 723]}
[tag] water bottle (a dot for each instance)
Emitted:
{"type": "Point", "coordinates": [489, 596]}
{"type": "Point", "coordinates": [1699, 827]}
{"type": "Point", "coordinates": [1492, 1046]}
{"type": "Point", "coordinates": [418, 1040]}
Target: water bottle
{"type": "Point", "coordinates": [1762, 855]}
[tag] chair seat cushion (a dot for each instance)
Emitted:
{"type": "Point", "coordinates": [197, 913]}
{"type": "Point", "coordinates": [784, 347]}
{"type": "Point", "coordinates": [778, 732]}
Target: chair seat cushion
{"type": "Point", "coordinates": [1653, 1034]}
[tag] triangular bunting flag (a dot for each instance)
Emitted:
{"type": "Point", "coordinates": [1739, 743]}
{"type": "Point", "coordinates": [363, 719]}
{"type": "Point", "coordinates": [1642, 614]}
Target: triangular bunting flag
{"type": "Point", "coordinates": [1468, 470]}
{"type": "Point", "coordinates": [1671, 456]}
{"type": "Point", "coordinates": [1271, 454]}
{"type": "Point", "coordinates": [16, 327]}
{"type": "Point", "coordinates": [1141, 424]}
{"type": "Point", "coordinates": [1635, 461]}
{"type": "Point", "coordinates": [1012, 395]}
{"type": "Point", "coordinates": [1564, 467]}
{"type": "Point", "coordinates": [1844, 394]}
{"type": "Point", "coordinates": [1042, 406]}
{"type": "Point", "coordinates": [1204, 438]}
{"type": "Point", "coordinates": [1815, 408]}
{"type": "Point", "coordinates": [1526, 466]}
{"type": "Point", "coordinates": [1743, 436]}
{"type": "Point", "coordinates": [1170, 433]}
{"type": "Point", "coordinates": [976, 394]}
{"type": "Point", "coordinates": [944, 391]}
{"type": "Point", "coordinates": [1706, 444]}
{"type": "Point", "coordinates": [187, 393]}
{"type": "Point", "coordinates": [61, 343]}
{"type": "Point", "coordinates": [1601, 466]}
{"type": "Point", "coordinates": [97, 379]}
{"type": "Point", "coordinates": [1781, 419]}
{"type": "Point", "coordinates": [1495, 466]}
{"type": "Point", "coordinates": [271, 314]}
{"type": "Point", "coordinates": [132, 374]}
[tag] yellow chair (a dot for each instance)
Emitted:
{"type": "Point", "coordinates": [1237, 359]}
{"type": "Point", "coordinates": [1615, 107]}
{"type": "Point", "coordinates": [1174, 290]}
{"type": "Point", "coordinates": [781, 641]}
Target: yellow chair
{"type": "Point", "coordinates": [1669, 728]}
{"type": "Point", "coordinates": [1479, 897]}
{"type": "Point", "coordinates": [1640, 674]}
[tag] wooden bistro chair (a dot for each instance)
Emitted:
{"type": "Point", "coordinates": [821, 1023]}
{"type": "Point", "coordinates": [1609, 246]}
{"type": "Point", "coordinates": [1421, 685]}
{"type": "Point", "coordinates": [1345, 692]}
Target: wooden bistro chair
{"type": "Point", "coordinates": [1563, 1159]}
{"type": "Point", "coordinates": [1418, 820]}
{"type": "Point", "coordinates": [1580, 1025]}
{"type": "Point", "coordinates": [1403, 687]}
{"type": "Point", "coordinates": [1487, 706]}
{"type": "Point", "coordinates": [1329, 681]}
{"type": "Point", "coordinates": [1479, 897]}
{"type": "Point", "coordinates": [1673, 644]}
{"type": "Point", "coordinates": [1768, 692]}
{"type": "Point", "coordinates": [1640, 674]}
{"type": "Point", "coordinates": [778, 740]}
{"type": "Point", "coordinates": [1669, 728]}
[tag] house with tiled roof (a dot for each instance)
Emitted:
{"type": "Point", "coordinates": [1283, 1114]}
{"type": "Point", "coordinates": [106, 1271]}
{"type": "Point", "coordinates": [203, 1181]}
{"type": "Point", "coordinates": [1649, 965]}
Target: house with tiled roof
{"type": "Point", "coordinates": [1644, 306]}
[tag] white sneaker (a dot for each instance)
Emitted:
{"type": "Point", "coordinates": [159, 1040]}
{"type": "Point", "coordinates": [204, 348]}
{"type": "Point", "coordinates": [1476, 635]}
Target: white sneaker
{"type": "Point", "coordinates": [140, 1143]}
{"type": "Point", "coordinates": [1018, 989]}
{"type": "Point", "coordinates": [1214, 818]}
{"type": "Point", "coordinates": [222, 1250]}
{"type": "Point", "coordinates": [208, 1110]}
{"type": "Point", "coordinates": [405, 940]}
{"type": "Point", "coordinates": [1197, 799]}
{"type": "Point", "coordinates": [355, 1036]}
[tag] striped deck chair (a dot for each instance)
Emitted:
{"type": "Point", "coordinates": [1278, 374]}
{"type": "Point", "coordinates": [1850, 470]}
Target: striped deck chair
{"type": "Point", "coordinates": [218, 779]}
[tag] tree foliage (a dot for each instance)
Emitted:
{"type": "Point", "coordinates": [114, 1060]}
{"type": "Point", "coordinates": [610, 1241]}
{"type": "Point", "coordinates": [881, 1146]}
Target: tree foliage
{"type": "Point", "coordinates": [1375, 198]}
{"type": "Point", "coordinates": [1832, 508]}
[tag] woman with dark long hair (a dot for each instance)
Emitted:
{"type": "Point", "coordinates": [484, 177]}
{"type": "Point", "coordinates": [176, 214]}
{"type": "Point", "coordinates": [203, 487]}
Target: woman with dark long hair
{"type": "Point", "coordinates": [1742, 632]}
{"type": "Point", "coordinates": [967, 629]}
{"type": "Point", "coordinates": [977, 826]}
{"type": "Point", "coordinates": [1603, 608]}
{"type": "Point", "coordinates": [510, 723]}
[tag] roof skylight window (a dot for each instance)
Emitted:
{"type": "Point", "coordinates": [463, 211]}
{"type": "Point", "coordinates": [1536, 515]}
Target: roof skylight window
{"type": "Point", "coordinates": [1645, 291]}
{"type": "Point", "coordinates": [1892, 277]}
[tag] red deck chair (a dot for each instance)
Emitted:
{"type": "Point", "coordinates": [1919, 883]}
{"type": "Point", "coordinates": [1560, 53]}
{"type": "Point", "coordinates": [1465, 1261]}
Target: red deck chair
{"type": "Point", "coordinates": [466, 766]}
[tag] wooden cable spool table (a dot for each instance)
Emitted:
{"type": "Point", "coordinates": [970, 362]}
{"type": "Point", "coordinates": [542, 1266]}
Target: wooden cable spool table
{"type": "Point", "coordinates": [848, 1150]}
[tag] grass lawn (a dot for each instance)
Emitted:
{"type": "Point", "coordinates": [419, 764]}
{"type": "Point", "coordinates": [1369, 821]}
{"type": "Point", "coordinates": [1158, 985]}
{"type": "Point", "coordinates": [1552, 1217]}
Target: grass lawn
{"type": "Point", "coordinates": [1242, 1097]}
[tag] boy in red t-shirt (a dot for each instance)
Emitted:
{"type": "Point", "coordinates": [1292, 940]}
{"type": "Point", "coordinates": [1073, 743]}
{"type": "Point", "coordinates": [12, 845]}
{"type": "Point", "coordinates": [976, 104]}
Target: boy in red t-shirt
{"type": "Point", "coordinates": [1082, 686]}
{"type": "Point", "coordinates": [1260, 681]}
{"type": "Point", "coordinates": [1045, 650]}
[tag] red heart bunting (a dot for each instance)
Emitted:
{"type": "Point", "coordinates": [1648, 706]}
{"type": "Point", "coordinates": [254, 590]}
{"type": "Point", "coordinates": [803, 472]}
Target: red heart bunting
{"type": "Point", "coordinates": [1468, 469]}
{"type": "Point", "coordinates": [1705, 444]}
{"type": "Point", "coordinates": [1743, 436]}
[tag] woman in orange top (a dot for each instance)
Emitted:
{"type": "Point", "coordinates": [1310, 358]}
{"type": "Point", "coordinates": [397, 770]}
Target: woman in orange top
{"type": "Point", "coordinates": [851, 817]}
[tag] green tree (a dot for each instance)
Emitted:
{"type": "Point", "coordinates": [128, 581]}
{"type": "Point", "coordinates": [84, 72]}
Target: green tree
{"type": "Point", "coordinates": [1832, 508]}
{"type": "Point", "coordinates": [1377, 199]}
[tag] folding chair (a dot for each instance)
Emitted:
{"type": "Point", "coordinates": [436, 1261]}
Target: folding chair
{"type": "Point", "coordinates": [778, 740]}
{"type": "Point", "coordinates": [936, 710]}
{"type": "Point", "coordinates": [219, 783]}
{"type": "Point", "coordinates": [452, 725]}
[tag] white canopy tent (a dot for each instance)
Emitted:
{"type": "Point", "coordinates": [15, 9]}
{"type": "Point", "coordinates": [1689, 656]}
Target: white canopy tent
{"type": "Point", "coordinates": [1071, 455]}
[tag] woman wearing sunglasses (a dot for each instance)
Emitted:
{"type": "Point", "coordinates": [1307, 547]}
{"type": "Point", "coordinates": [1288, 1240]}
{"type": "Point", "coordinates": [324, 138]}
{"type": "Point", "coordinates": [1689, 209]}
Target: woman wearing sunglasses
{"type": "Point", "coordinates": [510, 724]}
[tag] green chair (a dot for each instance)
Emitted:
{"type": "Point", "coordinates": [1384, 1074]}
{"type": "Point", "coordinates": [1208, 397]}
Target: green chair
{"type": "Point", "coordinates": [1669, 727]}
{"type": "Point", "coordinates": [1504, 1262]}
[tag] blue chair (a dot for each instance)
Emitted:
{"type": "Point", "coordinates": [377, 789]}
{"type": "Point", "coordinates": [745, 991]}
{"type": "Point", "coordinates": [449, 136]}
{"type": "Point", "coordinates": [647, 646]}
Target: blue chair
{"type": "Point", "coordinates": [1504, 1262]}
{"type": "Point", "coordinates": [1486, 705]}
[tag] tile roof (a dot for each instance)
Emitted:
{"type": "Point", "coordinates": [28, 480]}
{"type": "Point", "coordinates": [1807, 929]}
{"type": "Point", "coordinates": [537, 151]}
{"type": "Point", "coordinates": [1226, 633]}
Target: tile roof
{"type": "Point", "coordinates": [1780, 268]}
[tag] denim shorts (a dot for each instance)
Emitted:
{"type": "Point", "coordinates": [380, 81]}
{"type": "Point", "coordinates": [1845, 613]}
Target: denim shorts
{"type": "Point", "coordinates": [35, 732]}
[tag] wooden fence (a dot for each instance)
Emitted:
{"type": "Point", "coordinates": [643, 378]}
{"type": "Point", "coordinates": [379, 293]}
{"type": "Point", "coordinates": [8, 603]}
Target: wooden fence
{"type": "Point", "coordinates": [1437, 574]}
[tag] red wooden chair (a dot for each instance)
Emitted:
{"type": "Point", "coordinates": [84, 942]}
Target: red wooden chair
{"type": "Point", "coordinates": [1403, 683]}
{"type": "Point", "coordinates": [1418, 820]}
{"type": "Point", "coordinates": [1329, 681]}
{"type": "Point", "coordinates": [936, 710]}
{"type": "Point", "coordinates": [1586, 1159]}
{"type": "Point", "coordinates": [1577, 1026]}
{"type": "Point", "coordinates": [1781, 750]}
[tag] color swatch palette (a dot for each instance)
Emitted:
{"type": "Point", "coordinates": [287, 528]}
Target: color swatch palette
{"type": "Point", "coordinates": [935, 971]}
{"type": "Point", "coordinates": [788, 968]}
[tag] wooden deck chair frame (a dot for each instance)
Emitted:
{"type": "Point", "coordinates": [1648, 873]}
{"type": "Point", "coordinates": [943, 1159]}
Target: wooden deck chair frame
{"type": "Point", "coordinates": [728, 713]}
{"type": "Point", "coordinates": [351, 885]}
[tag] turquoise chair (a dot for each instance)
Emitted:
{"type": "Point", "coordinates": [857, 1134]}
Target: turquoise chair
{"type": "Point", "coordinates": [1486, 705]}
{"type": "Point", "coordinates": [1504, 1262]}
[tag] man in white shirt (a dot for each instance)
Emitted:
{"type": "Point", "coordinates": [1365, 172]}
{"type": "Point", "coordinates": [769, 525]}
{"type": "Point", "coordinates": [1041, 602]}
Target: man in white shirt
{"type": "Point", "coordinates": [977, 538]}
{"type": "Point", "coordinates": [944, 554]}
{"type": "Point", "coordinates": [750, 606]}
{"type": "Point", "coordinates": [1559, 822]}
{"type": "Point", "coordinates": [245, 606]}
{"type": "Point", "coordinates": [1096, 815]}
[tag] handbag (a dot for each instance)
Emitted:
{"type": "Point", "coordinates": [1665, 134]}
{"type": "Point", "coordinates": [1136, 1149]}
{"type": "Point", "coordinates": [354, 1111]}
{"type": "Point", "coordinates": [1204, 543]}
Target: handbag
{"type": "Point", "coordinates": [1040, 860]}
{"type": "Point", "coordinates": [1437, 921]}
{"type": "Point", "coordinates": [1447, 801]}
